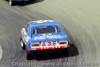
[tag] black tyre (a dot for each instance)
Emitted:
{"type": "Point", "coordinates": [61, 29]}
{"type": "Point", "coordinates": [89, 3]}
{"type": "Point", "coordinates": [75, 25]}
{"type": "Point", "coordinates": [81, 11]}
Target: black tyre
{"type": "Point", "coordinates": [28, 55]}
{"type": "Point", "coordinates": [22, 44]}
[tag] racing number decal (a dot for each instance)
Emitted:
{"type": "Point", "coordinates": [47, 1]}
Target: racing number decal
{"type": "Point", "coordinates": [43, 44]}
{"type": "Point", "coordinates": [49, 43]}
{"type": "Point", "coordinates": [54, 43]}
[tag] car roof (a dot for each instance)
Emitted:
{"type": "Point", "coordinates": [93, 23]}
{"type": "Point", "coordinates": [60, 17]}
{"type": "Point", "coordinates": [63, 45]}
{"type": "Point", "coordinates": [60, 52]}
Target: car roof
{"type": "Point", "coordinates": [43, 23]}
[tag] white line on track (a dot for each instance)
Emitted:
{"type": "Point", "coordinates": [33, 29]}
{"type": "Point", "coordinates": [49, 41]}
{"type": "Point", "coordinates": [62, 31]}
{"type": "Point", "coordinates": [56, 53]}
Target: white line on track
{"type": "Point", "coordinates": [0, 52]}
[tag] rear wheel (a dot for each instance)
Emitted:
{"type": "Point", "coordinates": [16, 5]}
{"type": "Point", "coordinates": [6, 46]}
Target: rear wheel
{"type": "Point", "coordinates": [28, 55]}
{"type": "Point", "coordinates": [22, 45]}
{"type": "Point", "coordinates": [11, 2]}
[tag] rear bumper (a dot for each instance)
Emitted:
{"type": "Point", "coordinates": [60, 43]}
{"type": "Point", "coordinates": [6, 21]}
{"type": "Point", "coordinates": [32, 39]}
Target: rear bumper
{"type": "Point", "coordinates": [47, 50]}
{"type": "Point", "coordinates": [54, 49]}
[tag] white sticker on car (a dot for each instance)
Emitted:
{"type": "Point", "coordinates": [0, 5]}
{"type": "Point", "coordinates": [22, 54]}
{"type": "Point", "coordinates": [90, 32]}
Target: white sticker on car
{"type": "Point", "coordinates": [48, 36]}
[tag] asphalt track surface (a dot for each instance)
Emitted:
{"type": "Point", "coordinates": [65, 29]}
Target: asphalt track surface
{"type": "Point", "coordinates": [79, 18]}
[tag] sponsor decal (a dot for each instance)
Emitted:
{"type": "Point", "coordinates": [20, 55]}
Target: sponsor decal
{"type": "Point", "coordinates": [48, 36]}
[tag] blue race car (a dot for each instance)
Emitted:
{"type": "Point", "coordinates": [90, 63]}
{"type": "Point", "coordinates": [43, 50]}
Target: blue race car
{"type": "Point", "coordinates": [43, 35]}
{"type": "Point", "coordinates": [12, 2]}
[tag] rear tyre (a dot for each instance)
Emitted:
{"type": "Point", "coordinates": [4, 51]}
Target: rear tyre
{"type": "Point", "coordinates": [28, 55]}
{"type": "Point", "coordinates": [11, 2]}
{"type": "Point", "coordinates": [22, 45]}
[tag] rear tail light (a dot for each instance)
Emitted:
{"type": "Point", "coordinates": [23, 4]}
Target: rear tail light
{"type": "Point", "coordinates": [30, 49]}
{"type": "Point", "coordinates": [68, 46]}
{"type": "Point", "coordinates": [35, 44]}
{"type": "Point", "coordinates": [62, 43]}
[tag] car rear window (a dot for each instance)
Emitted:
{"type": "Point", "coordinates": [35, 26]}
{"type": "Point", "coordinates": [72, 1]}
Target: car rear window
{"type": "Point", "coordinates": [46, 29]}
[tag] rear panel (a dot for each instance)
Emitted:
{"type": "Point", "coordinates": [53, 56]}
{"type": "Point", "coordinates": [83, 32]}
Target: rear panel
{"type": "Point", "coordinates": [49, 45]}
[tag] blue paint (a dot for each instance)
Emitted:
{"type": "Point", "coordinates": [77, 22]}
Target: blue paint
{"type": "Point", "coordinates": [43, 38]}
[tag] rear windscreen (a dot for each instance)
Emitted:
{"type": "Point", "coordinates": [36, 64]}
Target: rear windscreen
{"type": "Point", "coordinates": [46, 29]}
